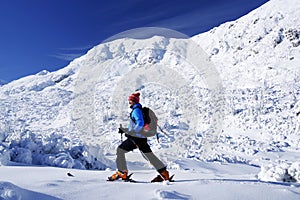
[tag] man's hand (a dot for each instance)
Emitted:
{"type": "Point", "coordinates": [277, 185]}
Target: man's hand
{"type": "Point", "coordinates": [121, 130]}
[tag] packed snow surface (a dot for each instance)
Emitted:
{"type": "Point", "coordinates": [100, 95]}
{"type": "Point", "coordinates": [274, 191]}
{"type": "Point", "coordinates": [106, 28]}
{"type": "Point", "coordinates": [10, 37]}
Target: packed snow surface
{"type": "Point", "coordinates": [199, 180]}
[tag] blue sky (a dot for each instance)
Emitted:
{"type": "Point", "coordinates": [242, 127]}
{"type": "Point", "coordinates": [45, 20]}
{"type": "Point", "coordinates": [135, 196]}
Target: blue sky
{"type": "Point", "coordinates": [48, 34]}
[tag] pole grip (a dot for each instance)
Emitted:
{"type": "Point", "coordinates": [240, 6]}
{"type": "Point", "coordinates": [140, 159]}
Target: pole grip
{"type": "Point", "coordinates": [121, 133]}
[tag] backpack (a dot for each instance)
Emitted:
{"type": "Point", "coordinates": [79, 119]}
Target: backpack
{"type": "Point", "coordinates": [150, 121]}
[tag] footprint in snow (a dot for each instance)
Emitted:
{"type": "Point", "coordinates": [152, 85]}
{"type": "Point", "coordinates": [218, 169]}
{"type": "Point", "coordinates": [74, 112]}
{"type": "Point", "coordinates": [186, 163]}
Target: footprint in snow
{"type": "Point", "coordinates": [171, 195]}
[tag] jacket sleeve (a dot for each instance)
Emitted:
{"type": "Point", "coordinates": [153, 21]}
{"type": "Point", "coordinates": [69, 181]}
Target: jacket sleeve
{"type": "Point", "coordinates": [137, 115]}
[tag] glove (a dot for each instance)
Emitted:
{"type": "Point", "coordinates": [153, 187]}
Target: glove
{"type": "Point", "coordinates": [121, 130]}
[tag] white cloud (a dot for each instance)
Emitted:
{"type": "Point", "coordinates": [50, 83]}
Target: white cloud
{"type": "Point", "coordinates": [70, 53]}
{"type": "Point", "coordinates": [67, 56]}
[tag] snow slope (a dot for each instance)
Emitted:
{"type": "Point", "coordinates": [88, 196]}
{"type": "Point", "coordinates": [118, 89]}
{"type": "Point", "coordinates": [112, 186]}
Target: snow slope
{"type": "Point", "coordinates": [231, 118]}
{"type": "Point", "coordinates": [200, 180]}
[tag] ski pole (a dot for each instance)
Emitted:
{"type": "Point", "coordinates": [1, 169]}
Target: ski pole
{"type": "Point", "coordinates": [163, 131]}
{"type": "Point", "coordinates": [121, 133]}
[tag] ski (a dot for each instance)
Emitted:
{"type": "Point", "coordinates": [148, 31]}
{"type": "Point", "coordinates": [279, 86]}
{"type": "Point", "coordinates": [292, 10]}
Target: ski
{"type": "Point", "coordinates": [129, 179]}
{"type": "Point", "coordinates": [159, 178]}
{"type": "Point", "coordinates": [171, 178]}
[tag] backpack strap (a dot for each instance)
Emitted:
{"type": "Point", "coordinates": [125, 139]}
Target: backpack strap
{"type": "Point", "coordinates": [140, 107]}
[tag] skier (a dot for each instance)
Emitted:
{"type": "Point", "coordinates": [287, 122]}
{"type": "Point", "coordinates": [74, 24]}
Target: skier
{"type": "Point", "coordinates": [136, 139]}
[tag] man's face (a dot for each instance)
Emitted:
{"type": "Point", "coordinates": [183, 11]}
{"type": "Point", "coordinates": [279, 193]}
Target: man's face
{"type": "Point", "coordinates": [131, 103]}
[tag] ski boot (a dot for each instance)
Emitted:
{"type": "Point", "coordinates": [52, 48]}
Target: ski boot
{"type": "Point", "coordinates": [164, 176]}
{"type": "Point", "coordinates": [118, 175]}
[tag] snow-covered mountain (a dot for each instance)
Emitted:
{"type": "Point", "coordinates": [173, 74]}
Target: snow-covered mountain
{"type": "Point", "coordinates": [69, 118]}
{"type": "Point", "coordinates": [260, 48]}
{"type": "Point", "coordinates": [258, 60]}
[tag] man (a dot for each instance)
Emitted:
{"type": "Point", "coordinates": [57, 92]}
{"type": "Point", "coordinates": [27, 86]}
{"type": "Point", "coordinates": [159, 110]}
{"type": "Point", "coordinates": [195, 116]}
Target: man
{"type": "Point", "coordinates": [136, 139]}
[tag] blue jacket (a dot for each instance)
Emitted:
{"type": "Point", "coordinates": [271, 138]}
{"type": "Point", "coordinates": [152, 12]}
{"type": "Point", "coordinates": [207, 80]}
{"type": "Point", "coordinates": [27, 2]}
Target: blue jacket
{"type": "Point", "coordinates": [137, 120]}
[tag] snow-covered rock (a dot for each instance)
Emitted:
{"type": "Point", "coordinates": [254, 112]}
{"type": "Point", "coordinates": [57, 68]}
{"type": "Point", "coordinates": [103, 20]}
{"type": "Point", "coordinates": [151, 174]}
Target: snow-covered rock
{"type": "Point", "coordinates": [283, 172]}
